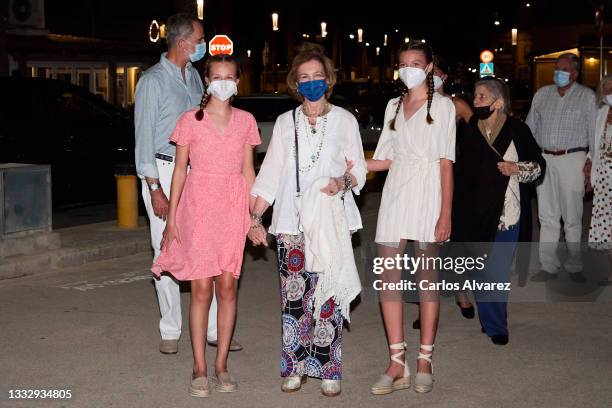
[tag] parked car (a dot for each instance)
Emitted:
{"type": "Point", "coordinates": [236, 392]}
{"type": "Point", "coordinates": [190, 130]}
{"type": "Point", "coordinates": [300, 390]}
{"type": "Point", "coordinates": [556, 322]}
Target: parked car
{"type": "Point", "coordinates": [82, 137]}
{"type": "Point", "coordinates": [267, 107]}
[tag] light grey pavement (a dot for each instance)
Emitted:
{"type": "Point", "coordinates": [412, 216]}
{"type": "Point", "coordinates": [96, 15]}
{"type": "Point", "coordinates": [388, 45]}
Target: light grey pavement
{"type": "Point", "coordinates": [93, 329]}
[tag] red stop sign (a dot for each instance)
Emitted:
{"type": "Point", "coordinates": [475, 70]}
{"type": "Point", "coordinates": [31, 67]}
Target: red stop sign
{"type": "Point", "coordinates": [221, 44]}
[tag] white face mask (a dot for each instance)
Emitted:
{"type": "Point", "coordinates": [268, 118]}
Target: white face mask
{"type": "Point", "coordinates": [608, 99]}
{"type": "Point", "coordinates": [411, 76]}
{"type": "Point", "coordinates": [222, 89]}
{"type": "Point", "coordinates": [438, 82]}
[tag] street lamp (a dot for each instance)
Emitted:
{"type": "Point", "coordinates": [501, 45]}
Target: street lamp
{"type": "Point", "coordinates": [377, 51]}
{"type": "Point", "coordinates": [323, 29]}
{"type": "Point", "coordinates": [496, 22]}
{"type": "Point", "coordinates": [200, 5]}
{"type": "Point", "coordinates": [154, 31]}
{"type": "Point", "coordinates": [352, 36]}
{"type": "Point", "coordinates": [406, 40]}
{"type": "Point", "coordinates": [385, 43]}
{"type": "Point", "coordinates": [274, 21]}
{"type": "Point", "coordinates": [248, 53]}
{"type": "Point", "coordinates": [359, 35]}
{"type": "Point", "coordinates": [514, 36]}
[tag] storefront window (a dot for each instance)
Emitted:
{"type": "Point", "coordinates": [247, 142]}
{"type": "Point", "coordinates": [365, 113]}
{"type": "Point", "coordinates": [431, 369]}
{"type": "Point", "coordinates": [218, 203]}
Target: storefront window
{"type": "Point", "coordinates": [121, 88]}
{"type": "Point", "coordinates": [101, 83]}
{"type": "Point", "coordinates": [127, 77]}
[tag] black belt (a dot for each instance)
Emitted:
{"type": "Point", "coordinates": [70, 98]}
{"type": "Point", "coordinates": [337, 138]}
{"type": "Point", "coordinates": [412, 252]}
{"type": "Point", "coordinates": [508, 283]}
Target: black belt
{"type": "Point", "coordinates": [562, 152]}
{"type": "Point", "coordinates": [164, 157]}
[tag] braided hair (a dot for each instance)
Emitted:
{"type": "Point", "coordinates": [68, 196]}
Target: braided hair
{"type": "Point", "coordinates": [199, 115]}
{"type": "Point", "coordinates": [405, 92]}
{"type": "Point", "coordinates": [430, 94]}
{"type": "Point", "coordinates": [428, 53]}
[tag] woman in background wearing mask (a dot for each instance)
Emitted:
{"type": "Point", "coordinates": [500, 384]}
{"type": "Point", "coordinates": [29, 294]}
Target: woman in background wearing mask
{"type": "Point", "coordinates": [499, 162]}
{"type": "Point", "coordinates": [315, 141]}
{"type": "Point", "coordinates": [417, 146]}
{"type": "Point", "coordinates": [601, 174]}
{"type": "Point", "coordinates": [208, 217]}
{"type": "Point", "coordinates": [463, 110]}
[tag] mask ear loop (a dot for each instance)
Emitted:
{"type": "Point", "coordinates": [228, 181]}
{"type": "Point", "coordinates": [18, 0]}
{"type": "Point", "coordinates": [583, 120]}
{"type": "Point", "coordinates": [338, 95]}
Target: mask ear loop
{"type": "Point", "coordinates": [428, 68]}
{"type": "Point", "coordinates": [493, 103]}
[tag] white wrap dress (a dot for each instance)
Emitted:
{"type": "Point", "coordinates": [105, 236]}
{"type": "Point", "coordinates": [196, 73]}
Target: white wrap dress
{"type": "Point", "coordinates": [412, 196]}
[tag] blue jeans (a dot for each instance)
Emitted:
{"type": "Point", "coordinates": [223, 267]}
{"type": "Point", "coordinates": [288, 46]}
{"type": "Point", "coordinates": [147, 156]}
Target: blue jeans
{"type": "Point", "coordinates": [492, 306]}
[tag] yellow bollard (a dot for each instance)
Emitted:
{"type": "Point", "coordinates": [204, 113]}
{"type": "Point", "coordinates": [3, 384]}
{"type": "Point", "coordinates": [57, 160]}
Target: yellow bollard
{"type": "Point", "coordinates": [127, 201]}
{"type": "Point", "coordinates": [368, 155]}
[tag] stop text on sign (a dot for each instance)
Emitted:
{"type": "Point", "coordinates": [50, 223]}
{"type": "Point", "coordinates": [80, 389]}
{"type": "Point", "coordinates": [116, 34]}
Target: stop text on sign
{"type": "Point", "coordinates": [221, 44]}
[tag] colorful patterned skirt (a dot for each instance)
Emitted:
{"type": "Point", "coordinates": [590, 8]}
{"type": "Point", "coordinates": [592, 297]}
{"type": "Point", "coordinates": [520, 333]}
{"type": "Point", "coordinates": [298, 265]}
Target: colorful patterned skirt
{"type": "Point", "coordinates": [309, 348]}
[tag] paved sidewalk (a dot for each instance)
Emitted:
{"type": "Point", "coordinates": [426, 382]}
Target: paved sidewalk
{"type": "Point", "coordinates": [92, 330]}
{"type": "Point", "coordinates": [77, 246]}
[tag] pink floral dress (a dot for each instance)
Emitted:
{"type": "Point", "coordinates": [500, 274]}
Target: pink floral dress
{"type": "Point", "coordinates": [212, 216]}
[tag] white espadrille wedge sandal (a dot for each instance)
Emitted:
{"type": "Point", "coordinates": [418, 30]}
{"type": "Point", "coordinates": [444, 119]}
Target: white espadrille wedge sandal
{"type": "Point", "coordinates": [386, 384]}
{"type": "Point", "coordinates": [423, 382]}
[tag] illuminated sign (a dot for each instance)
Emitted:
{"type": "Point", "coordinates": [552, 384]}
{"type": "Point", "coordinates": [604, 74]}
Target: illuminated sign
{"type": "Point", "coordinates": [221, 44]}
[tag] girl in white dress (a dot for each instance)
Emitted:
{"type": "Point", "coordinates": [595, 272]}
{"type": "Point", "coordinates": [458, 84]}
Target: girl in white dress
{"type": "Point", "coordinates": [417, 146]}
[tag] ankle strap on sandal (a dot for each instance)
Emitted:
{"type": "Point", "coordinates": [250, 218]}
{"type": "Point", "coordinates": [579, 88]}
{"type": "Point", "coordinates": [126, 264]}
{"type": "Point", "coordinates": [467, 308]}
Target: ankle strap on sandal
{"type": "Point", "coordinates": [427, 347]}
{"type": "Point", "coordinates": [395, 357]}
{"type": "Point", "coordinates": [399, 346]}
{"type": "Point", "coordinates": [426, 357]}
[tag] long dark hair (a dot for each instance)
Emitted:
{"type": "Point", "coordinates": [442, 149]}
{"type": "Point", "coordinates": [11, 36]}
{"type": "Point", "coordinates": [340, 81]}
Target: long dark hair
{"type": "Point", "coordinates": [211, 60]}
{"type": "Point", "coordinates": [428, 53]}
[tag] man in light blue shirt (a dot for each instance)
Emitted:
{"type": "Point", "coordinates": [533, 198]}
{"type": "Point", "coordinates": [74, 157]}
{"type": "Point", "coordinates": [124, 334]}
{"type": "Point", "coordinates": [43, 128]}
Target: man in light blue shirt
{"type": "Point", "coordinates": [163, 93]}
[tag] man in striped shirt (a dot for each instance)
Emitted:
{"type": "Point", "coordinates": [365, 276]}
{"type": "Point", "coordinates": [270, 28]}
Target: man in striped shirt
{"type": "Point", "coordinates": [562, 121]}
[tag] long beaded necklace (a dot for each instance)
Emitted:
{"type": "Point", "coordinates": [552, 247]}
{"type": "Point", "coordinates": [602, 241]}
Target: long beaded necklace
{"type": "Point", "coordinates": [315, 151]}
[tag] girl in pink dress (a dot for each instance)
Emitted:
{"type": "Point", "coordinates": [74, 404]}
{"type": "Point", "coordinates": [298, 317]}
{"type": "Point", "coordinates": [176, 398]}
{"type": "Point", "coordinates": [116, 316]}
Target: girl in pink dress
{"type": "Point", "coordinates": [208, 217]}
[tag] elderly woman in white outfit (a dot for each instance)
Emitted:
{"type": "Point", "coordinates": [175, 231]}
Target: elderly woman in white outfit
{"type": "Point", "coordinates": [417, 146]}
{"type": "Point", "coordinates": [329, 158]}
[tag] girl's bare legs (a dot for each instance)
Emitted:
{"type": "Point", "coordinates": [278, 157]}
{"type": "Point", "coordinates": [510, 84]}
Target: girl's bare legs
{"type": "Point", "coordinates": [201, 296]}
{"type": "Point", "coordinates": [429, 310]}
{"type": "Point", "coordinates": [225, 288]}
{"type": "Point", "coordinates": [392, 306]}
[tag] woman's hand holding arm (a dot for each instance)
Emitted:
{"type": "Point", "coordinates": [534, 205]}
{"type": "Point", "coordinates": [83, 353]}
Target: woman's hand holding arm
{"type": "Point", "coordinates": [257, 233]}
{"type": "Point", "coordinates": [378, 165]}
{"type": "Point", "coordinates": [179, 175]}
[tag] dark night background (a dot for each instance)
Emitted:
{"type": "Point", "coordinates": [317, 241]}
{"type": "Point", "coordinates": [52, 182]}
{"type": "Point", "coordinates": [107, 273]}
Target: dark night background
{"type": "Point", "coordinates": [97, 50]}
{"type": "Point", "coordinates": [456, 29]}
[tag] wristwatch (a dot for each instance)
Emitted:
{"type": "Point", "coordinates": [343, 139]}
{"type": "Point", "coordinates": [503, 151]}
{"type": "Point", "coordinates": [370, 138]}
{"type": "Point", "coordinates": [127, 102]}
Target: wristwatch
{"type": "Point", "coordinates": [153, 187]}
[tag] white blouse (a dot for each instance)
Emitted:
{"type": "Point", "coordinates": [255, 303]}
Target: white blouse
{"type": "Point", "coordinates": [529, 171]}
{"type": "Point", "coordinates": [512, 200]}
{"type": "Point", "coordinates": [321, 154]}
